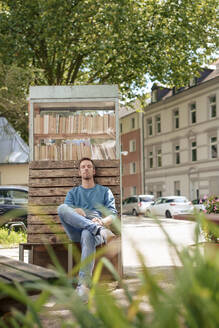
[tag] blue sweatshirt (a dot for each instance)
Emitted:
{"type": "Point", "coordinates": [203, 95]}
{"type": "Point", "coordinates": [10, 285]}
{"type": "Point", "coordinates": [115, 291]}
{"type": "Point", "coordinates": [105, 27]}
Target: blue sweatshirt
{"type": "Point", "coordinates": [89, 199]}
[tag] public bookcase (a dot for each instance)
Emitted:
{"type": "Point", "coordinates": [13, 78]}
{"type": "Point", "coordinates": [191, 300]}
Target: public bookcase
{"type": "Point", "coordinates": [68, 123]}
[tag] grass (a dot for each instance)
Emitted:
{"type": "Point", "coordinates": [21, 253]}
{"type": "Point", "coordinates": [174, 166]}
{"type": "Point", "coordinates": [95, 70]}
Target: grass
{"type": "Point", "coordinates": [13, 239]}
{"type": "Point", "coordinates": [192, 302]}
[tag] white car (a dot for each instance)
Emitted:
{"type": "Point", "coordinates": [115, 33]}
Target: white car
{"type": "Point", "coordinates": [199, 205]}
{"type": "Point", "coordinates": [137, 204]}
{"type": "Point", "coordinates": [170, 206]}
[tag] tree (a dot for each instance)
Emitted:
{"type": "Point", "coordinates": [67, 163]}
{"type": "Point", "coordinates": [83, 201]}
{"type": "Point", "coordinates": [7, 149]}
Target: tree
{"type": "Point", "coordinates": [14, 83]}
{"type": "Point", "coordinates": [95, 41]}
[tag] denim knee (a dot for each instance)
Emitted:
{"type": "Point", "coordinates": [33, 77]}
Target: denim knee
{"type": "Point", "coordinates": [62, 209]}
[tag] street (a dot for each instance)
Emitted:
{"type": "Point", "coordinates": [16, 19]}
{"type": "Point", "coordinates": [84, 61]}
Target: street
{"type": "Point", "coordinates": [143, 234]}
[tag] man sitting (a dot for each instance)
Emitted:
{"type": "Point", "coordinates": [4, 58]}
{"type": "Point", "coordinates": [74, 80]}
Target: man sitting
{"type": "Point", "coordinates": [82, 219]}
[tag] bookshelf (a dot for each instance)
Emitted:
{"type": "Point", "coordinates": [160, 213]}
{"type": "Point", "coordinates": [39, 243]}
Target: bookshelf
{"type": "Point", "coordinates": [68, 123]}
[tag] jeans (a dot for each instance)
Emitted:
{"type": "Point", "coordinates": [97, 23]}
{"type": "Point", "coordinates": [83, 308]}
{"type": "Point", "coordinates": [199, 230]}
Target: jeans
{"type": "Point", "coordinates": [83, 230]}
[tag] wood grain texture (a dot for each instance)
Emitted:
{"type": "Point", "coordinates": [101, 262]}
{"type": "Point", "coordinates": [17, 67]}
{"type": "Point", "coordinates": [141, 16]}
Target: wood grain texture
{"type": "Point", "coordinates": [69, 172]}
{"type": "Point", "coordinates": [70, 164]}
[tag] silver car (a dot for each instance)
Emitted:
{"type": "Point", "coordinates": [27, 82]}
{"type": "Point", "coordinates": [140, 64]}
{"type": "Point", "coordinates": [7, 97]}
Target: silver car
{"type": "Point", "coordinates": [136, 204]}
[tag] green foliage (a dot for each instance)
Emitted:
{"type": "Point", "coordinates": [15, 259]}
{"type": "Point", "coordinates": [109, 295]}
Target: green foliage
{"type": "Point", "coordinates": [192, 301]}
{"type": "Point", "coordinates": [69, 42]}
{"type": "Point", "coordinates": [12, 239]}
{"type": "Point", "coordinates": [91, 41]}
{"type": "Point", "coordinates": [14, 85]}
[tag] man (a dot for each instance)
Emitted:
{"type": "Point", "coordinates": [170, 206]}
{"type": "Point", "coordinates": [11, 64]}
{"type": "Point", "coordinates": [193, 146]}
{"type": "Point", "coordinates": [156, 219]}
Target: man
{"type": "Point", "coordinates": [82, 219]}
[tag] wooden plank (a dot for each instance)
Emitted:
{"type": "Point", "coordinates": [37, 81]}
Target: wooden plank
{"type": "Point", "coordinates": [50, 182]}
{"type": "Point", "coordinates": [46, 238]}
{"type": "Point", "coordinates": [62, 191]}
{"type": "Point", "coordinates": [53, 191]}
{"type": "Point", "coordinates": [53, 200]}
{"type": "Point", "coordinates": [29, 268]}
{"type": "Point", "coordinates": [14, 274]}
{"type": "Point", "coordinates": [49, 191]}
{"type": "Point", "coordinates": [43, 219]}
{"type": "Point", "coordinates": [57, 200]}
{"type": "Point", "coordinates": [70, 164]}
{"type": "Point", "coordinates": [39, 209]}
{"type": "Point", "coordinates": [45, 228]}
{"type": "Point", "coordinates": [56, 173]}
{"type": "Point", "coordinates": [53, 173]}
{"type": "Point", "coordinates": [71, 182]}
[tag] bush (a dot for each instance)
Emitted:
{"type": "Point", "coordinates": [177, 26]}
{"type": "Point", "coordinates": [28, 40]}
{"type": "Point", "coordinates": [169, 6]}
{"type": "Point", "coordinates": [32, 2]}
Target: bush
{"type": "Point", "coordinates": [12, 239]}
{"type": "Point", "coordinates": [212, 204]}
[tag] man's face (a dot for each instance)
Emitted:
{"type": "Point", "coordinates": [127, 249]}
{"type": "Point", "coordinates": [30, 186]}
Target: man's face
{"type": "Point", "coordinates": [86, 170]}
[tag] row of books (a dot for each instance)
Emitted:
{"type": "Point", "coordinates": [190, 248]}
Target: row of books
{"type": "Point", "coordinates": [74, 151]}
{"type": "Point", "coordinates": [75, 124]}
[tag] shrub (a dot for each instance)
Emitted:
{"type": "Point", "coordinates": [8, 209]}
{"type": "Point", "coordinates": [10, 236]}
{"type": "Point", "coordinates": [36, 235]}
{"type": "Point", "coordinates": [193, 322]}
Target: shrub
{"type": "Point", "coordinates": [212, 204]}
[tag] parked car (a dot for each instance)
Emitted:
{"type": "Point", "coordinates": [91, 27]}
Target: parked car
{"type": "Point", "coordinates": [14, 198]}
{"type": "Point", "coordinates": [199, 204]}
{"type": "Point", "coordinates": [137, 204]}
{"type": "Point", "coordinates": [169, 206]}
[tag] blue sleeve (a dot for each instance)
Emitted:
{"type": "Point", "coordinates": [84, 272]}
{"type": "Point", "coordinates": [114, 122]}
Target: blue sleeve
{"type": "Point", "coordinates": [69, 199]}
{"type": "Point", "coordinates": [110, 201]}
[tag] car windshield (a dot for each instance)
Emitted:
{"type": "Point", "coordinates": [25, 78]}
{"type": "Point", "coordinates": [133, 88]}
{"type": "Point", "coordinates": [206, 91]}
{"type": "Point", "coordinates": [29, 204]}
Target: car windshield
{"type": "Point", "coordinates": [146, 199]}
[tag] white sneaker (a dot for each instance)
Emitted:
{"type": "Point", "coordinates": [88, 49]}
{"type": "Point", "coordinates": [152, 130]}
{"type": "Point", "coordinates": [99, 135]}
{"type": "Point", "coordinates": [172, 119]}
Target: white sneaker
{"type": "Point", "coordinates": [83, 292]}
{"type": "Point", "coordinates": [107, 235]}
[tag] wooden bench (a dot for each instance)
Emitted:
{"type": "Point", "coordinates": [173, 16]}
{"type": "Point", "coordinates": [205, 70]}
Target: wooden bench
{"type": "Point", "coordinates": [49, 182]}
{"type": "Point", "coordinates": [12, 271]}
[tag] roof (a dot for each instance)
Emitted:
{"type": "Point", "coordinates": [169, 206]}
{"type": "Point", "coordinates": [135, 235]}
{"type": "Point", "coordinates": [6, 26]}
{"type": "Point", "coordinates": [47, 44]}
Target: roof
{"type": "Point", "coordinates": [129, 109]}
{"type": "Point", "coordinates": [206, 74]}
{"type": "Point", "coordinates": [13, 148]}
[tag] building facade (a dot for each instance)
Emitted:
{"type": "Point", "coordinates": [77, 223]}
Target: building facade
{"type": "Point", "coordinates": [181, 139]}
{"type": "Point", "coordinates": [131, 151]}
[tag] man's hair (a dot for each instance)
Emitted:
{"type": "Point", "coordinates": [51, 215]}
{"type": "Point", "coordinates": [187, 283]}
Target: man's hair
{"type": "Point", "coordinates": [86, 159]}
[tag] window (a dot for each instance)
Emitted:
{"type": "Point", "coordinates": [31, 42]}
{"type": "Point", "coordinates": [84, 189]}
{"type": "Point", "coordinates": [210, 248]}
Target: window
{"type": "Point", "coordinates": [213, 109]}
{"type": "Point", "coordinates": [192, 113]}
{"type": "Point", "coordinates": [150, 158]}
{"type": "Point", "coordinates": [134, 191]}
{"type": "Point", "coordinates": [150, 127]}
{"type": "Point", "coordinates": [213, 147]}
{"type": "Point", "coordinates": [159, 158]}
{"type": "Point", "coordinates": [177, 188]}
{"type": "Point", "coordinates": [132, 123]}
{"type": "Point", "coordinates": [120, 127]}
{"type": "Point", "coordinates": [177, 154]}
{"type": "Point", "coordinates": [176, 119]}
{"type": "Point", "coordinates": [132, 145]}
{"type": "Point", "coordinates": [132, 168]}
{"type": "Point", "coordinates": [194, 151]}
{"type": "Point", "coordinates": [158, 124]}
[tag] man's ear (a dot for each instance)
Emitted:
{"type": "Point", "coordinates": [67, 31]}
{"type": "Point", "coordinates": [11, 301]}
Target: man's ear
{"type": "Point", "coordinates": [79, 172]}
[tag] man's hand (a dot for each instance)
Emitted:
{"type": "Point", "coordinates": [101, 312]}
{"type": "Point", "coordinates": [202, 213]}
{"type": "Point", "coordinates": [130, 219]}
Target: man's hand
{"type": "Point", "coordinates": [80, 211]}
{"type": "Point", "coordinates": [97, 220]}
